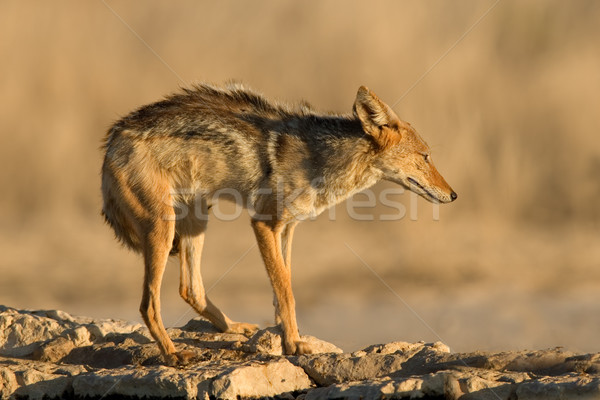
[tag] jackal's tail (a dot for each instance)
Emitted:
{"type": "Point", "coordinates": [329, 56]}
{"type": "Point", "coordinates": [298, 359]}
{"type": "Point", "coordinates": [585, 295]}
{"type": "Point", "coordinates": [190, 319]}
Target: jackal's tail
{"type": "Point", "coordinates": [117, 218]}
{"type": "Point", "coordinates": [120, 221]}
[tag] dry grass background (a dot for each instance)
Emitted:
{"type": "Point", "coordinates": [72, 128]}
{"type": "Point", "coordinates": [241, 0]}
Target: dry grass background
{"type": "Point", "coordinates": [511, 113]}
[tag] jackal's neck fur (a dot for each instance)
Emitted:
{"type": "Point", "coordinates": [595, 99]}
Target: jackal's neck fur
{"type": "Point", "coordinates": [343, 154]}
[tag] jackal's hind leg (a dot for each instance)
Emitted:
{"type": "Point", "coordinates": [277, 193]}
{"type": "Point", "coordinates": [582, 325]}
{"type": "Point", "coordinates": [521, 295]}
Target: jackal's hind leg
{"type": "Point", "coordinates": [192, 289]}
{"type": "Point", "coordinates": [156, 251]}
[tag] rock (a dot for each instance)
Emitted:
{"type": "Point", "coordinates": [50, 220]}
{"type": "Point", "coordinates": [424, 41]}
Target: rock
{"type": "Point", "coordinates": [585, 363]}
{"type": "Point", "coordinates": [8, 382]}
{"type": "Point", "coordinates": [54, 350]}
{"type": "Point", "coordinates": [37, 385]}
{"type": "Point", "coordinates": [249, 380]}
{"type": "Point", "coordinates": [99, 330]}
{"type": "Point", "coordinates": [35, 380]}
{"type": "Point", "coordinates": [260, 380]}
{"type": "Point", "coordinates": [400, 347]}
{"type": "Point", "coordinates": [80, 336]}
{"type": "Point", "coordinates": [429, 385]}
{"type": "Point", "coordinates": [58, 348]}
{"type": "Point", "coordinates": [22, 332]}
{"type": "Point", "coordinates": [154, 382]}
{"type": "Point", "coordinates": [51, 354]}
{"type": "Point", "coordinates": [269, 341]}
{"type": "Point", "coordinates": [372, 362]}
{"type": "Point", "coordinates": [570, 386]}
{"type": "Point", "coordinates": [56, 315]}
{"type": "Point", "coordinates": [451, 385]}
{"type": "Point", "coordinates": [199, 325]}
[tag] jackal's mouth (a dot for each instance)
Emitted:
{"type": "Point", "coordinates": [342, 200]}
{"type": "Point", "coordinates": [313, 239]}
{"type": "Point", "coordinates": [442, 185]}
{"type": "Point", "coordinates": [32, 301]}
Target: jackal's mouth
{"type": "Point", "coordinates": [426, 192]}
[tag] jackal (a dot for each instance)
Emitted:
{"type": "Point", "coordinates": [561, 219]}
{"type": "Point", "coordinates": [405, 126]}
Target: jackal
{"type": "Point", "coordinates": [286, 162]}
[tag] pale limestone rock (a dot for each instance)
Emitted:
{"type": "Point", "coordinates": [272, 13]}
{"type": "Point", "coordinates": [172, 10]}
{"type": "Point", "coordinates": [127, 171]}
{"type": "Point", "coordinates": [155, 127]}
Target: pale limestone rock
{"type": "Point", "coordinates": [92, 358]}
{"type": "Point", "coordinates": [327, 369]}
{"type": "Point", "coordinates": [80, 336]}
{"type": "Point", "coordinates": [569, 386]}
{"type": "Point", "coordinates": [8, 382]}
{"type": "Point", "coordinates": [54, 350]}
{"type": "Point", "coordinates": [156, 381]}
{"type": "Point", "coordinates": [99, 329]}
{"type": "Point", "coordinates": [452, 385]}
{"type": "Point", "coordinates": [34, 380]}
{"type": "Point", "coordinates": [260, 380]}
{"type": "Point", "coordinates": [384, 388]}
{"type": "Point", "coordinates": [56, 315]}
{"type": "Point", "coordinates": [36, 385]}
{"type": "Point", "coordinates": [400, 347]}
{"type": "Point", "coordinates": [21, 332]}
{"type": "Point", "coordinates": [269, 341]}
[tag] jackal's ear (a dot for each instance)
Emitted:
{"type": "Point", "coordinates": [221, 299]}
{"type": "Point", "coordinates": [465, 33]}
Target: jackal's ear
{"type": "Point", "coordinates": [376, 117]}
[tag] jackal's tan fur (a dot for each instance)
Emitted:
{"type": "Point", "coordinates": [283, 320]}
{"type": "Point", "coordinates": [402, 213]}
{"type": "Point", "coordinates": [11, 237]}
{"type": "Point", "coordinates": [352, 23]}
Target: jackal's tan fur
{"type": "Point", "coordinates": [285, 163]}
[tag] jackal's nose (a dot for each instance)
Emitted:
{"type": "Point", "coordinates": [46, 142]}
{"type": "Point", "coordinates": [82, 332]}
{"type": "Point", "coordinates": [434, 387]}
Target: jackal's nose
{"type": "Point", "coordinates": [453, 196]}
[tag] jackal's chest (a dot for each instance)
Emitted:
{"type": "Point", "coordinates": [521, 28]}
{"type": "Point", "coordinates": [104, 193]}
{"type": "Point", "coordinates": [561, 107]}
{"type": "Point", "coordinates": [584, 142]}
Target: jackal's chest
{"type": "Point", "coordinates": [300, 202]}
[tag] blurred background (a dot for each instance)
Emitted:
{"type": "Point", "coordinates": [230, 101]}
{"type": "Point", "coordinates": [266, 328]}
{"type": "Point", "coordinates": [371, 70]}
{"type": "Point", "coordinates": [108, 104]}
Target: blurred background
{"type": "Point", "coordinates": [506, 93]}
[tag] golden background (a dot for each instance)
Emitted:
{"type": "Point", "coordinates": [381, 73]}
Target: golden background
{"type": "Point", "coordinates": [506, 93]}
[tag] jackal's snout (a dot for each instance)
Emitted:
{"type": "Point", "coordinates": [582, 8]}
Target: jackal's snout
{"type": "Point", "coordinates": [451, 197]}
{"type": "Point", "coordinates": [435, 192]}
{"type": "Point", "coordinates": [445, 193]}
{"type": "Point", "coordinates": [423, 178]}
{"type": "Point", "coordinates": [439, 191]}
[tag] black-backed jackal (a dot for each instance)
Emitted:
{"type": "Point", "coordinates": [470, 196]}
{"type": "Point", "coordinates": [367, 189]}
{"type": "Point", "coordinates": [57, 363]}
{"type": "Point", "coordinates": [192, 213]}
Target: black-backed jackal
{"type": "Point", "coordinates": [286, 164]}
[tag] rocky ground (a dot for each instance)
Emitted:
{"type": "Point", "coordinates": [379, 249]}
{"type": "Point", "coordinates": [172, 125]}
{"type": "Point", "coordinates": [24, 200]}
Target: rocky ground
{"type": "Point", "coordinates": [50, 354]}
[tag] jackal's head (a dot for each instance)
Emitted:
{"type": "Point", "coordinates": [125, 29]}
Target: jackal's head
{"type": "Point", "coordinates": [401, 155]}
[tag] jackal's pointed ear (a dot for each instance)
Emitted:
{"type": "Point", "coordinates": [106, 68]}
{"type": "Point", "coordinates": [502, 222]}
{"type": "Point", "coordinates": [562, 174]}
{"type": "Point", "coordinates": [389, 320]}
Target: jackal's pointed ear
{"type": "Point", "coordinates": [376, 117]}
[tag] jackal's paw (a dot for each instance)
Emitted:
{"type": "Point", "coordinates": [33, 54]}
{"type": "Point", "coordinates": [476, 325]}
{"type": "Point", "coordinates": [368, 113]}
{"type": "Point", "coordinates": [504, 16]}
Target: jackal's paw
{"type": "Point", "coordinates": [303, 348]}
{"type": "Point", "coordinates": [179, 358]}
{"type": "Point", "coordinates": [299, 347]}
{"type": "Point", "coordinates": [243, 328]}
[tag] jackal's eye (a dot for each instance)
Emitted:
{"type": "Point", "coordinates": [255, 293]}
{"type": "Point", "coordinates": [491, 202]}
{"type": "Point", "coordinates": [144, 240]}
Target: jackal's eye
{"type": "Point", "coordinates": [426, 157]}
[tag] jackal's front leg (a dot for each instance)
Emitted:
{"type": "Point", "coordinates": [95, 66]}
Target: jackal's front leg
{"type": "Point", "coordinates": [287, 234]}
{"type": "Point", "coordinates": [268, 235]}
